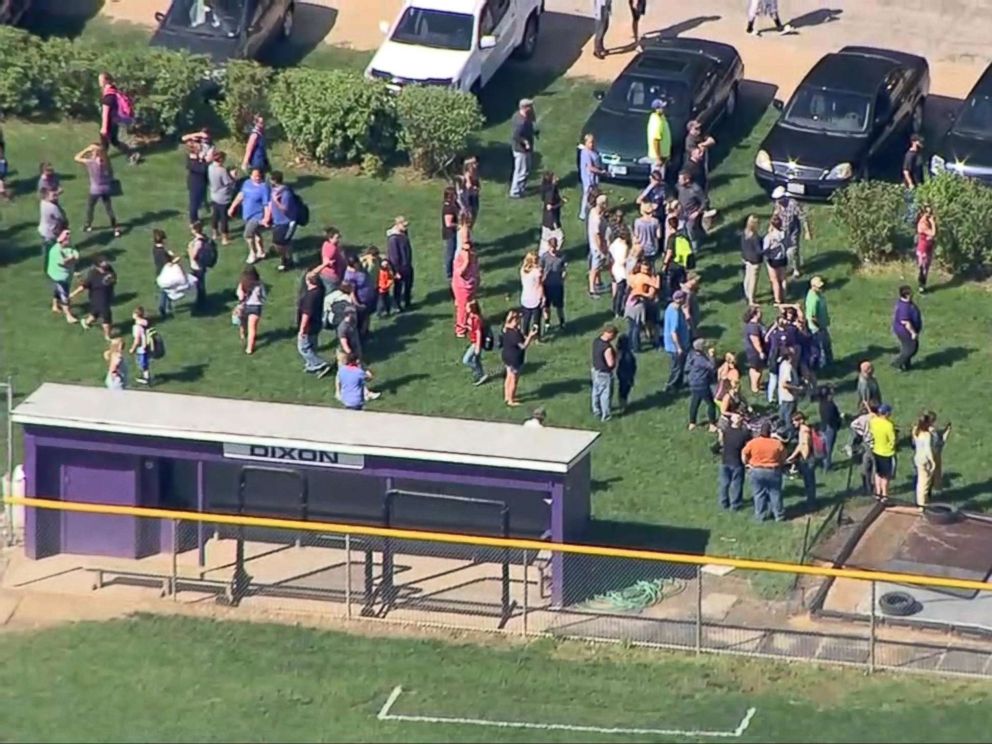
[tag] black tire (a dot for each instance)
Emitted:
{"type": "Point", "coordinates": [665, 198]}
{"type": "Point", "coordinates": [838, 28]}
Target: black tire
{"type": "Point", "coordinates": [941, 514]}
{"type": "Point", "coordinates": [528, 44]}
{"type": "Point", "coordinates": [898, 604]}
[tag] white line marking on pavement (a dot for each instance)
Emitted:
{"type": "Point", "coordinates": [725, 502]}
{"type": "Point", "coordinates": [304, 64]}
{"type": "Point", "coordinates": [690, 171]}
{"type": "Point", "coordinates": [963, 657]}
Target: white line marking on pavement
{"type": "Point", "coordinates": [386, 715]}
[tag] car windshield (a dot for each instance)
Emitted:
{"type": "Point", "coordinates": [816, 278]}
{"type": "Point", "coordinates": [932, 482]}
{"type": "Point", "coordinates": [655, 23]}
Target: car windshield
{"type": "Point", "coordinates": [829, 110]}
{"type": "Point", "coordinates": [976, 117]}
{"type": "Point", "coordinates": [208, 17]}
{"type": "Point", "coordinates": [437, 29]}
{"type": "Point", "coordinates": [634, 94]}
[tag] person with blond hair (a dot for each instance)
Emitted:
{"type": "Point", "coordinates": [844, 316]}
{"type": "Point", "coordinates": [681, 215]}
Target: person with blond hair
{"type": "Point", "coordinates": [116, 378]}
{"type": "Point", "coordinates": [531, 294]}
{"type": "Point", "coordinates": [924, 459]}
{"type": "Point", "coordinates": [752, 257]}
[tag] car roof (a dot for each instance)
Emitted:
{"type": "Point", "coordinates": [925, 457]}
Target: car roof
{"type": "Point", "coordinates": [470, 7]}
{"type": "Point", "coordinates": [983, 87]}
{"type": "Point", "coordinates": [852, 72]}
{"type": "Point", "coordinates": [670, 63]}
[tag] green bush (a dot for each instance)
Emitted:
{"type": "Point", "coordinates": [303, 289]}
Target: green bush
{"type": "Point", "coordinates": [335, 117]}
{"type": "Point", "coordinates": [963, 208]}
{"type": "Point", "coordinates": [872, 217]}
{"type": "Point", "coordinates": [58, 76]}
{"type": "Point", "coordinates": [22, 72]}
{"type": "Point", "coordinates": [245, 94]}
{"type": "Point", "coordinates": [436, 125]}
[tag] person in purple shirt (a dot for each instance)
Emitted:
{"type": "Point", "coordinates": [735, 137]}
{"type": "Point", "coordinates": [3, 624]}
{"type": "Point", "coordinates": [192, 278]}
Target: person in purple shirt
{"type": "Point", "coordinates": [907, 323]}
{"type": "Point", "coordinates": [366, 293]}
{"type": "Point", "coordinates": [654, 193]}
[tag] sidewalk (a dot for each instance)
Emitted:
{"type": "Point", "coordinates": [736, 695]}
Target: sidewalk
{"type": "Point", "coordinates": [956, 59]}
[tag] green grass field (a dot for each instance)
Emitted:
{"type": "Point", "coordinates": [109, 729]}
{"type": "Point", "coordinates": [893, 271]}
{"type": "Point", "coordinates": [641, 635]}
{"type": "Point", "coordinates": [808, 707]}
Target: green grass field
{"type": "Point", "coordinates": [654, 482]}
{"type": "Point", "coordinates": [173, 679]}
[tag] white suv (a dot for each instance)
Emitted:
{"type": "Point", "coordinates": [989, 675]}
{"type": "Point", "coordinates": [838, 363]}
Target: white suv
{"type": "Point", "coordinates": [456, 43]}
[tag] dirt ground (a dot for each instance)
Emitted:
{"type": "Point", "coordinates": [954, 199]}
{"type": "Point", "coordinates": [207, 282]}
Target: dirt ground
{"type": "Point", "coordinates": [956, 59]}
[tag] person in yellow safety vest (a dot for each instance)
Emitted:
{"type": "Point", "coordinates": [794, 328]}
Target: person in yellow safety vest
{"type": "Point", "coordinates": [659, 136]}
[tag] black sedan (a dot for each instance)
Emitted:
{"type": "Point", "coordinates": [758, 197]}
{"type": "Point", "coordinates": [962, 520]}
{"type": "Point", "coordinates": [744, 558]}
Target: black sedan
{"type": "Point", "coordinates": [852, 106]}
{"type": "Point", "coordinates": [966, 147]}
{"type": "Point", "coordinates": [698, 79]}
{"type": "Point", "coordinates": [224, 29]}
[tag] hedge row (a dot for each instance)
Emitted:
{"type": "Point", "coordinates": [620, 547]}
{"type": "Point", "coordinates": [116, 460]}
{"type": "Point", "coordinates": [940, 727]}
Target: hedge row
{"type": "Point", "coordinates": [59, 77]}
{"type": "Point", "coordinates": [330, 117]}
{"type": "Point", "coordinates": [879, 222]}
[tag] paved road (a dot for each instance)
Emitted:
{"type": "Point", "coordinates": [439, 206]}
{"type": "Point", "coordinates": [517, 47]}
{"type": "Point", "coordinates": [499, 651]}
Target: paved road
{"type": "Point", "coordinates": [821, 26]}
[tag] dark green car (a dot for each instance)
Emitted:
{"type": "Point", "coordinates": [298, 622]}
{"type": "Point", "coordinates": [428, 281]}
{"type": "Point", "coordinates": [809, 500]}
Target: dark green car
{"type": "Point", "coordinates": [697, 79]}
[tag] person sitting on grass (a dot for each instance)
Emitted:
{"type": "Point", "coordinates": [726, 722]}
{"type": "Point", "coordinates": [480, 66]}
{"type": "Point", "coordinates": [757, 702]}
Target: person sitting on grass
{"type": "Point", "coordinates": [351, 379]}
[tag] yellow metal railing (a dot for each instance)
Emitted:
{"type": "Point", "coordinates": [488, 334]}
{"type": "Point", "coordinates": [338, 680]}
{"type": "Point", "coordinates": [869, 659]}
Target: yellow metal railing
{"type": "Point", "coordinates": [495, 542]}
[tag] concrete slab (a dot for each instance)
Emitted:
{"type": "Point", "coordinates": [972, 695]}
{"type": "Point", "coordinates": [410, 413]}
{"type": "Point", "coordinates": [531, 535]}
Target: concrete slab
{"type": "Point", "coordinates": [717, 606]}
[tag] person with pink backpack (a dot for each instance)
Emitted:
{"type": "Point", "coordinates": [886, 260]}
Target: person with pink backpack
{"type": "Point", "coordinates": [116, 110]}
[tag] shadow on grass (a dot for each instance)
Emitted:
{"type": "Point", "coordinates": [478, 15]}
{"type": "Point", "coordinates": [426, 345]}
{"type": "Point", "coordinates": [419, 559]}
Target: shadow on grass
{"type": "Point", "coordinates": [189, 373]}
{"type": "Point", "coordinates": [395, 384]}
{"type": "Point", "coordinates": [753, 100]}
{"type": "Point", "coordinates": [945, 357]}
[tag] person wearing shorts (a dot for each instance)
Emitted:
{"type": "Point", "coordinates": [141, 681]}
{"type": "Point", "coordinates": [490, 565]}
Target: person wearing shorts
{"type": "Point", "coordinates": [139, 345]}
{"type": "Point", "coordinates": [883, 449]}
{"type": "Point", "coordinates": [253, 199]}
{"type": "Point", "coordinates": [513, 347]}
{"type": "Point", "coordinates": [99, 284]}
{"type": "Point", "coordinates": [61, 264]}
{"type": "Point", "coordinates": [280, 212]}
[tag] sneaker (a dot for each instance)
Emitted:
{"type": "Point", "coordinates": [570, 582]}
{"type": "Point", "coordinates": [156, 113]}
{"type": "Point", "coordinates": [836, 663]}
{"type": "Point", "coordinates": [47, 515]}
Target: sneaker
{"type": "Point", "coordinates": [481, 381]}
{"type": "Point", "coordinates": [134, 158]}
{"type": "Point", "coordinates": [142, 381]}
{"type": "Point", "coordinates": [710, 213]}
{"type": "Point", "coordinates": [85, 324]}
{"type": "Point", "coordinates": [251, 259]}
{"type": "Point", "coordinates": [786, 30]}
{"type": "Point", "coordinates": [281, 267]}
{"type": "Point", "coordinates": [87, 228]}
{"type": "Point", "coordinates": [752, 32]}
{"type": "Point", "coordinates": [369, 395]}
{"type": "Point", "coordinates": [323, 371]}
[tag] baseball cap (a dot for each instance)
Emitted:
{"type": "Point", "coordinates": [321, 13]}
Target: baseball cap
{"type": "Point", "coordinates": [659, 104]}
{"type": "Point", "coordinates": [779, 192]}
{"type": "Point", "coordinates": [885, 409]}
{"type": "Point", "coordinates": [816, 282]}
{"type": "Point", "coordinates": [525, 102]}
{"type": "Point", "coordinates": [678, 294]}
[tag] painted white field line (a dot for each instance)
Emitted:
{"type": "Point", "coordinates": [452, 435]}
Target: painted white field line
{"type": "Point", "coordinates": [386, 715]}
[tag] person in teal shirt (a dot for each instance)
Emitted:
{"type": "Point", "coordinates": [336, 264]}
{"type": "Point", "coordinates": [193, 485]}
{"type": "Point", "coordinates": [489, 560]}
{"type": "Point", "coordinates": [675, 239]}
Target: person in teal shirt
{"type": "Point", "coordinates": [60, 266]}
{"type": "Point", "coordinates": [675, 339]}
{"type": "Point", "coordinates": [818, 319]}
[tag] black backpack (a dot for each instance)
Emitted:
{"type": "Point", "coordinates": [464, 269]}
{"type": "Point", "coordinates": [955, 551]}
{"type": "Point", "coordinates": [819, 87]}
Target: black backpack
{"type": "Point", "coordinates": [488, 339]}
{"type": "Point", "coordinates": [300, 212]}
{"type": "Point", "coordinates": [207, 256]}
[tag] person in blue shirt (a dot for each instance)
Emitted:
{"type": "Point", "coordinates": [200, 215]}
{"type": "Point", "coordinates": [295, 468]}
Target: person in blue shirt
{"type": "Point", "coordinates": [351, 381]}
{"type": "Point", "coordinates": [253, 199]}
{"type": "Point", "coordinates": [654, 193]}
{"type": "Point", "coordinates": [676, 338]}
{"type": "Point", "coordinates": [590, 169]}
{"type": "Point", "coordinates": [280, 213]}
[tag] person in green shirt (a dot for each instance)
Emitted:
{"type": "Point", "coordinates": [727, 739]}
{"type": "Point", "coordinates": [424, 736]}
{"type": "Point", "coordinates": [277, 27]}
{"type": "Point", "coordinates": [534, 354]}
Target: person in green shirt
{"type": "Point", "coordinates": [819, 320]}
{"type": "Point", "coordinates": [883, 448]}
{"type": "Point", "coordinates": [60, 266]}
{"type": "Point", "coordinates": [659, 136]}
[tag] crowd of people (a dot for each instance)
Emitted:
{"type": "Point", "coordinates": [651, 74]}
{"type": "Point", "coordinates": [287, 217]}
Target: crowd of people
{"type": "Point", "coordinates": [647, 266]}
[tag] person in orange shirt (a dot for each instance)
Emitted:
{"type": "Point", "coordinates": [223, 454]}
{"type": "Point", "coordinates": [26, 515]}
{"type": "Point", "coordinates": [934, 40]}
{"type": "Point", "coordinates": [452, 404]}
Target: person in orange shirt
{"type": "Point", "coordinates": [387, 278]}
{"type": "Point", "coordinates": [763, 456]}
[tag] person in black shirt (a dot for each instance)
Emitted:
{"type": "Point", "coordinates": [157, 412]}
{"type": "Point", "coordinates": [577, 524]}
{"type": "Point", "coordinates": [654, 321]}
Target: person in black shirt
{"type": "Point", "coordinates": [513, 345]}
{"type": "Point", "coordinates": [99, 283]}
{"type": "Point", "coordinates": [551, 202]}
{"type": "Point", "coordinates": [695, 166]}
{"type": "Point", "coordinates": [830, 422]}
{"type": "Point", "coordinates": [449, 228]}
{"type": "Point", "coordinates": [730, 491]}
{"type": "Point", "coordinates": [523, 136]}
{"type": "Point", "coordinates": [196, 179]}
{"type": "Point", "coordinates": [604, 363]}
{"type": "Point", "coordinates": [912, 163]}
{"type": "Point", "coordinates": [110, 120]}
{"type": "Point", "coordinates": [309, 312]}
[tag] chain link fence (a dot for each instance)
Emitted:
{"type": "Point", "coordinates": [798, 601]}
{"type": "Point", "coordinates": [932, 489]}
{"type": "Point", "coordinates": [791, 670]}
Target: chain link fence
{"type": "Point", "coordinates": [481, 584]}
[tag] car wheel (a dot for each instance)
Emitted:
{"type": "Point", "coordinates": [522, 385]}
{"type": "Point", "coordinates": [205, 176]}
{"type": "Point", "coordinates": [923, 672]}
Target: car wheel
{"type": "Point", "coordinates": [287, 23]}
{"type": "Point", "coordinates": [916, 122]}
{"type": "Point", "coordinates": [731, 105]}
{"type": "Point", "coordinates": [528, 44]}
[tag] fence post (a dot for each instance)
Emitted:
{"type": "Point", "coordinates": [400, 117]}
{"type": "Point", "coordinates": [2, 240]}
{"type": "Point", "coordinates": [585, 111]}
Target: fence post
{"type": "Point", "coordinates": [175, 560]}
{"type": "Point", "coordinates": [525, 592]}
{"type": "Point", "coordinates": [347, 575]}
{"type": "Point", "coordinates": [871, 632]}
{"type": "Point", "coordinates": [699, 610]}
{"type": "Point", "coordinates": [9, 457]}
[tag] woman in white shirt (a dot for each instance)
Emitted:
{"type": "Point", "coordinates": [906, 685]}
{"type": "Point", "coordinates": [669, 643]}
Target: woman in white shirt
{"type": "Point", "coordinates": [531, 294]}
{"type": "Point", "coordinates": [619, 249]}
{"type": "Point", "coordinates": [251, 299]}
{"type": "Point", "coordinates": [923, 459]}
